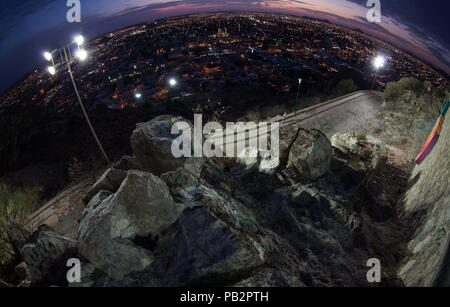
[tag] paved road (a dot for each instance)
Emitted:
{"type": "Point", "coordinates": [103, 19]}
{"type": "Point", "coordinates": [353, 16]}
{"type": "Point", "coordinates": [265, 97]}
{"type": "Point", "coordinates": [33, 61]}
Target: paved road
{"type": "Point", "coordinates": [344, 114]}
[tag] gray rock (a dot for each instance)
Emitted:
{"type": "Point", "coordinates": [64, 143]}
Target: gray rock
{"type": "Point", "coordinates": [200, 249]}
{"type": "Point", "coordinates": [288, 135]}
{"type": "Point", "coordinates": [303, 195]}
{"type": "Point", "coordinates": [142, 207]}
{"type": "Point", "coordinates": [270, 278]}
{"type": "Point", "coordinates": [371, 149]}
{"type": "Point", "coordinates": [109, 181]}
{"type": "Point", "coordinates": [152, 145]}
{"type": "Point", "coordinates": [127, 163]}
{"type": "Point", "coordinates": [310, 155]}
{"type": "Point", "coordinates": [88, 276]}
{"type": "Point", "coordinates": [46, 254]}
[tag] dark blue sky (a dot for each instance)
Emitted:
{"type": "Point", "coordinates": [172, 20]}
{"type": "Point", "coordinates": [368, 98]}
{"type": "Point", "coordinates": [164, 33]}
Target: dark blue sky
{"type": "Point", "coordinates": [29, 27]}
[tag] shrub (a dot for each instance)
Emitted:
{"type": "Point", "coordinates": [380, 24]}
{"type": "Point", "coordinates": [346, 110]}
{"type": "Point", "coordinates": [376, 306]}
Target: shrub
{"type": "Point", "coordinates": [15, 206]}
{"type": "Point", "coordinates": [361, 137]}
{"type": "Point", "coordinates": [396, 89]}
{"type": "Point", "coordinates": [391, 91]}
{"type": "Point", "coordinates": [422, 94]}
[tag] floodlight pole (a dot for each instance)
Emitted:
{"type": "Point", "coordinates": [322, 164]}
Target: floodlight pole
{"type": "Point", "coordinates": [67, 55]}
{"type": "Point", "coordinates": [87, 117]}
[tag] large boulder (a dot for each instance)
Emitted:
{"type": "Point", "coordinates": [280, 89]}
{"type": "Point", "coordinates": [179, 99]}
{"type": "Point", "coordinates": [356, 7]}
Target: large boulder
{"type": "Point", "coordinates": [288, 135]}
{"type": "Point", "coordinates": [152, 145]}
{"type": "Point", "coordinates": [201, 249]}
{"type": "Point", "coordinates": [141, 208]}
{"type": "Point", "coordinates": [369, 149]}
{"type": "Point", "coordinates": [346, 142]}
{"type": "Point", "coordinates": [310, 155]}
{"type": "Point", "coordinates": [46, 254]}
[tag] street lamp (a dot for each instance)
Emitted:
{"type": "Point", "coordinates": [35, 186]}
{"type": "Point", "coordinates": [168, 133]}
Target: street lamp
{"type": "Point", "coordinates": [62, 58]}
{"type": "Point", "coordinates": [138, 95]}
{"type": "Point", "coordinates": [300, 80]}
{"type": "Point", "coordinates": [378, 63]}
{"type": "Point", "coordinates": [172, 82]}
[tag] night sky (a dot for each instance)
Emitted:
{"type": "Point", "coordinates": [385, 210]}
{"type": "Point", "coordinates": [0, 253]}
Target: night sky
{"type": "Point", "coordinates": [29, 27]}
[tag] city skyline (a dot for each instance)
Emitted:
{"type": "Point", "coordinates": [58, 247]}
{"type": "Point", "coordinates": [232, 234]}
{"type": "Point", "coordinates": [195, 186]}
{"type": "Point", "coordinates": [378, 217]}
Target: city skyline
{"type": "Point", "coordinates": [42, 25]}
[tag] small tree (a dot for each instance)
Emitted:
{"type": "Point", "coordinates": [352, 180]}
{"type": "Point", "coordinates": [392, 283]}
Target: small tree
{"type": "Point", "coordinates": [15, 206]}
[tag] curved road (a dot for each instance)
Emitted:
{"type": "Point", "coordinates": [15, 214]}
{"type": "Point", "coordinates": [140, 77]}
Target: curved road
{"type": "Point", "coordinates": [343, 114]}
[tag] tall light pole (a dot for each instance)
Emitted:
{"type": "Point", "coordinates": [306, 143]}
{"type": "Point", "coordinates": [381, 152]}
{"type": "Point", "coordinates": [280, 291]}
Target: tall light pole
{"type": "Point", "coordinates": [65, 56]}
{"type": "Point", "coordinates": [378, 63]}
{"type": "Point", "coordinates": [300, 80]}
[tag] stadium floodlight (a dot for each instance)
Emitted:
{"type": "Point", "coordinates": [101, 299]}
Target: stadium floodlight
{"type": "Point", "coordinates": [48, 56]}
{"type": "Point", "coordinates": [51, 70]}
{"type": "Point", "coordinates": [79, 40]}
{"type": "Point", "coordinates": [64, 56]}
{"type": "Point", "coordinates": [82, 54]}
{"type": "Point", "coordinates": [172, 82]}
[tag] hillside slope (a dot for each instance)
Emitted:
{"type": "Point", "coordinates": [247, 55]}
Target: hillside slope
{"type": "Point", "coordinates": [427, 209]}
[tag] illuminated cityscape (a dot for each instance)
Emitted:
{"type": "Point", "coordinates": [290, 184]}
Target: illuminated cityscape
{"type": "Point", "coordinates": [210, 53]}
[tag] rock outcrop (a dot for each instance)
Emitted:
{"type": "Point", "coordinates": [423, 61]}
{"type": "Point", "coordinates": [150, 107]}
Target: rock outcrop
{"type": "Point", "coordinates": [195, 222]}
{"type": "Point", "coordinates": [310, 155]}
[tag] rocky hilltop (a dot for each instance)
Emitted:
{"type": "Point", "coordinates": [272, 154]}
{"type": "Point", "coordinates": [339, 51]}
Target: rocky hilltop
{"type": "Point", "coordinates": [153, 220]}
